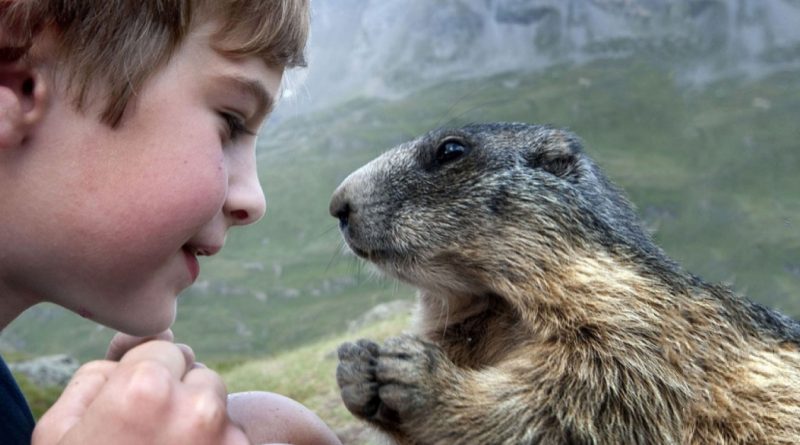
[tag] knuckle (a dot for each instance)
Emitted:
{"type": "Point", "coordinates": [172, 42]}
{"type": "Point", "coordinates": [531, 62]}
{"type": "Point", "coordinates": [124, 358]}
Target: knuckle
{"type": "Point", "coordinates": [94, 366]}
{"type": "Point", "coordinates": [149, 385]}
{"type": "Point", "coordinates": [207, 412]}
{"type": "Point", "coordinates": [206, 379]}
{"type": "Point", "coordinates": [91, 369]}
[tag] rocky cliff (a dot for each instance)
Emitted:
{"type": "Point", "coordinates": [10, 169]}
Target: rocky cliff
{"type": "Point", "coordinates": [389, 47]}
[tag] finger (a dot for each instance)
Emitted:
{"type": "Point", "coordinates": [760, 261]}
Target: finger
{"type": "Point", "coordinates": [233, 435]}
{"type": "Point", "coordinates": [122, 343]}
{"type": "Point", "coordinates": [206, 403]}
{"type": "Point", "coordinates": [206, 379]}
{"type": "Point", "coordinates": [188, 354]}
{"type": "Point", "coordinates": [80, 392]}
{"type": "Point", "coordinates": [163, 353]}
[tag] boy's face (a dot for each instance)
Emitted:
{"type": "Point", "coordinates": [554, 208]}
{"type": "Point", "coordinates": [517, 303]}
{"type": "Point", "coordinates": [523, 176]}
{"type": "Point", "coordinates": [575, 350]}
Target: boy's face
{"type": "Point", "coordinates": [108, 222]}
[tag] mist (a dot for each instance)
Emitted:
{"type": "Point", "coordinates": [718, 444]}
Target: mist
{"type": "Point", "coordinates": [389, 48]}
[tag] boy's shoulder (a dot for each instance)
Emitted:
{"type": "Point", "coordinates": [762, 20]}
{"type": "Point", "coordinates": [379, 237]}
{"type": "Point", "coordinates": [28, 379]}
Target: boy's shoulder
{"type": "Point", "coordinates": [17, 422]}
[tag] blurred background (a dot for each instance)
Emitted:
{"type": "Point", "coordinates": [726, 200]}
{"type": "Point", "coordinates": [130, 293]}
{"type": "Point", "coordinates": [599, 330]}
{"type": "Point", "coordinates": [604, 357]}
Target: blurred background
{"type": "Point", "coordinates": [691, 106]}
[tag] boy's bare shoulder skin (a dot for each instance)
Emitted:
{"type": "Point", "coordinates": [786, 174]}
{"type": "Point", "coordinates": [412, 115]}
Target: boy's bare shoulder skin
{"type": "Point", "coordinates": [127, 151]}
{"type": "Point", "coordinates": [547, 314]}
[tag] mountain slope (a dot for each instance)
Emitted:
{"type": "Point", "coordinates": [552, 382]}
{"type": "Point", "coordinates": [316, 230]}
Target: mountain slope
{"type": "Point", "coordinates": [712, 170]}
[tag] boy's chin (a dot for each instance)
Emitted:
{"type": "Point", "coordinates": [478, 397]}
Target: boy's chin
{"type": "Point", "coordinates": [143, 325]}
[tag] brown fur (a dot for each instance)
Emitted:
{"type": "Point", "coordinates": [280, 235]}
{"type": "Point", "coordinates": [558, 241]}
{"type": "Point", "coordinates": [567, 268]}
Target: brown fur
{"type": "Point", "coordinates": [537, 327]}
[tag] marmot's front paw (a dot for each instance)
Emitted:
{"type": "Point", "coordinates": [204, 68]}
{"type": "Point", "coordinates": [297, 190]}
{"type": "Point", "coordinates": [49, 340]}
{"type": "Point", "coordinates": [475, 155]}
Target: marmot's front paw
{"type": "Point", "coordinates": [390, 383]}
{"type": "Point", "coordinates": [356, 377]}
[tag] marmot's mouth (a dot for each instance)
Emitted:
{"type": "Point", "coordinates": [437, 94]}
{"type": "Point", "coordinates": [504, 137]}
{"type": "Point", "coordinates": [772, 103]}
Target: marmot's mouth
{"type": "Point", "coordinates": [362, 253]}
{"type": "Point", "coordinates": [375, 256]}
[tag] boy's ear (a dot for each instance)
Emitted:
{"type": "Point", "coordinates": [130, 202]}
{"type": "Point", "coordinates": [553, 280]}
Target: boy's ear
{"type": "Point", "coordinates": [23, 98]}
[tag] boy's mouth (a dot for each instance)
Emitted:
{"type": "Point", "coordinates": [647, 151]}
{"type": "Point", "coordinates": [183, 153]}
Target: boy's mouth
{"type": "Point", "coordinates": [191, 262]}
{"type": "Point", "coordinates": [191, 252]}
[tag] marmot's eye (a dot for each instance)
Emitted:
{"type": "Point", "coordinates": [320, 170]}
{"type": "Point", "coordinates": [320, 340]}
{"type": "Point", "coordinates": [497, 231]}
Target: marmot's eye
{"type": "Point", "coordinates": [449, 151]}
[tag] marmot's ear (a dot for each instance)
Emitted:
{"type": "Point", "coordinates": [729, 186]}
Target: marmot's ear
{"type": "Point", "coordinates": [556, 152]}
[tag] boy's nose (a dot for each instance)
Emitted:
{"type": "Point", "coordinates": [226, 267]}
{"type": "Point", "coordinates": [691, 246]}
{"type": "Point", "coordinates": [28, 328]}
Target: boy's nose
{"type": "Point", "coordinates": [245, 203]}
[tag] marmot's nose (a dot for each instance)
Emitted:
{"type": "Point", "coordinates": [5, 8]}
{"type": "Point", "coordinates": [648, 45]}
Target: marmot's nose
{"type": "Point", "coordinates": [340, 207]}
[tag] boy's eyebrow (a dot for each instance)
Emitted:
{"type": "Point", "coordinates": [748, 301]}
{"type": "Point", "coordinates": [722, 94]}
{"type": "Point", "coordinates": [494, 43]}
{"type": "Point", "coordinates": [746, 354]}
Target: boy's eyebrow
{"type": "Point", "coordinates": [251, 87]}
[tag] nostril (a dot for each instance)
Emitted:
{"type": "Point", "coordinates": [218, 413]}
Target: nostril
{"type": "Point", "coordinates": [341, 207]}
{"type": "Point", "coordinates": [343, 213]}
{"type": "Point", "coordinates": [240, 215]}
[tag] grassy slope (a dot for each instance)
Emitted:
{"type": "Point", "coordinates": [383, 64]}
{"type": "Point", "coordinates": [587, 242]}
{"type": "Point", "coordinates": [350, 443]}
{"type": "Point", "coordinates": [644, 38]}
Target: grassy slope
{"type": "Point", "coordinates": [713, 170]}
{"type": "Point", "coordinates": [314, 365]}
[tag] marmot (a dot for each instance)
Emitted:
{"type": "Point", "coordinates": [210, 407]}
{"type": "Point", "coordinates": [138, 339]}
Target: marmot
{"type": "Point", "coordinates": [547, 313]}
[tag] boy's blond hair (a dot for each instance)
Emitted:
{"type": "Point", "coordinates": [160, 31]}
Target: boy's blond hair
{"type": "Point", "coordinates": [120, 43]}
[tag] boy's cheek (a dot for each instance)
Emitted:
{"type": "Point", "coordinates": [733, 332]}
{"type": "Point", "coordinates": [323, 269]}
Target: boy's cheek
{"type": "Point", "coordinates": [137, 235]}
{"type": "Point", "coordinates": [165, 203]}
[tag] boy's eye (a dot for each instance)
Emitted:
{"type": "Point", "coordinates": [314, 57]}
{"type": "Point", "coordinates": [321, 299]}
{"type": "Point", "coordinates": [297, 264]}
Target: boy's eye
{"type": "Point", "coordinates": [235, 126]}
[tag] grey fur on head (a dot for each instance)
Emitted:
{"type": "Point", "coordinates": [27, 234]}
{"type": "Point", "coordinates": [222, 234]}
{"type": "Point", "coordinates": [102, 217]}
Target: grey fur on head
{"type": "Point", "coordinates": [533, 176]}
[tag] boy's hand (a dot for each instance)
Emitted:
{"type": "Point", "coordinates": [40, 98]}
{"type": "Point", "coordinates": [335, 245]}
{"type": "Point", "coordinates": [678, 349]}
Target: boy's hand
{"type": "Point", "coordinates": [122, 343]}
{"type": "Point", "coordinates": [152, 395]}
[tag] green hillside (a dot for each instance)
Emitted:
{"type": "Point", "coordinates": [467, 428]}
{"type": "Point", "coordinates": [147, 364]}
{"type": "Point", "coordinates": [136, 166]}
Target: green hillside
{"type": "Point", "coordinates": [712, 168]}
{"type": "Point", "coordinates": [313, 364]}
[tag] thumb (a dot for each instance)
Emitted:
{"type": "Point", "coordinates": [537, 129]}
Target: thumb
{"type": "Point", "coordinates": [122, 343]}
{"type": "Point", "coordinates": [73, 402]}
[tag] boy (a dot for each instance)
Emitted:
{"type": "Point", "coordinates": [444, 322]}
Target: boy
{"type": "Point", "coordinates": [127, 135]}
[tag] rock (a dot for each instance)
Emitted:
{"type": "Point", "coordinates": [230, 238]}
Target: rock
{"type": "Point", "coordinates": [52, 370]}
{"type": "Point", "coordinates": [522, 12]}
{"type": "Point", "coordinates": [364, 47]}
{"type": "Point", "coordinates": [289, 293]}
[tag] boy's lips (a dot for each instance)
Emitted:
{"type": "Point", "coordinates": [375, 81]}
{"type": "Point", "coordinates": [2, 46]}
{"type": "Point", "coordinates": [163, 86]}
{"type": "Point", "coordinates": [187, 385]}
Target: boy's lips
{"type": "Point", "coordinates": [191, 253]}
{"type": "Point", "coordinates": [192, 264]}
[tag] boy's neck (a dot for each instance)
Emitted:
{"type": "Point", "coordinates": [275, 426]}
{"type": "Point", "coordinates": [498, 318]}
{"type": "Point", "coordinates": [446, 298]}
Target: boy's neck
{"type": "Point", "coordinates": [12, 305]}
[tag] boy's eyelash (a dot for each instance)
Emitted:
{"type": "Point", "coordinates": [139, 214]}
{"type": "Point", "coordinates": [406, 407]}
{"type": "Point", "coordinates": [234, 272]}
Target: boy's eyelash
{"type": "Point", "coordinates": [236, 125]}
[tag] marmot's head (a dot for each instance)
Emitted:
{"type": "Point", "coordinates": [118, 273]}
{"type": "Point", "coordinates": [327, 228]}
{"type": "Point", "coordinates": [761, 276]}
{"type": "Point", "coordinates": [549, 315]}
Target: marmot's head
{"type": "Point", "coordinates": [454, 206]}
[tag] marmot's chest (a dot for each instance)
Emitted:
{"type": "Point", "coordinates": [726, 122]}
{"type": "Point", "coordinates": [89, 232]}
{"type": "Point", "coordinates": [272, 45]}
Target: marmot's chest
{"type": "Point", "coordinates": [481, 340]}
